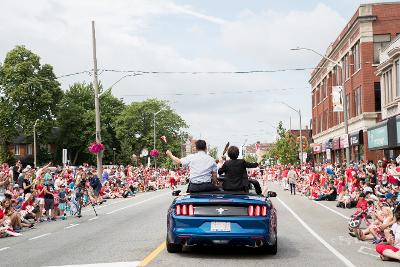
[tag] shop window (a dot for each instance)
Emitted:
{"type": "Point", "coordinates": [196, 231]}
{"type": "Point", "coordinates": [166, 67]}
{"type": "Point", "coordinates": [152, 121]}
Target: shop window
{"type": "Point", "coordinates": [377, 93]}
{"type": "Point", "coordinates": [380, 42]}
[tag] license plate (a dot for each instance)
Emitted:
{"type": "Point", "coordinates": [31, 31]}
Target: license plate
{"type": "Point", "coordinates": [220, 226]}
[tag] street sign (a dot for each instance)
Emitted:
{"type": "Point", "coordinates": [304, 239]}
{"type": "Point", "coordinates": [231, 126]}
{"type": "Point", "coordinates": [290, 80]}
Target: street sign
{"type": "Point", "coordinates": [64, 156]}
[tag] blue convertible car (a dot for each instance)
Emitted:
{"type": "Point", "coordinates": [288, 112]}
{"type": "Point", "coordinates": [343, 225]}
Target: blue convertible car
{"type": "Point", "coordinates": [222, 218]}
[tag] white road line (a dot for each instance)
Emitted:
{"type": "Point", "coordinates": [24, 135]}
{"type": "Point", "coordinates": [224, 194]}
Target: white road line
{"type": "Point", "coordinates": [137, 203]}
{"type": "Point", "coordinates": [1, 249]}
{"type": "Point", "coordinates": [319, 238]}
{"type": "Point", "coordinates": [94, 218]}
{"type": "Point", "coordinates": [361, 250]}
{"type": "Point", "coordinates": [40, 236]}
{"type": "Point", "coordinates": [71, 225]}
{"type": "Point", "coordinates": [334, 211]}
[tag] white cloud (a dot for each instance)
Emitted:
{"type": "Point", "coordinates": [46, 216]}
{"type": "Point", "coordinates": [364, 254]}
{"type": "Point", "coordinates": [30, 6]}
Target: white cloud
{"type": "Point", "coordinates": [59, 31]}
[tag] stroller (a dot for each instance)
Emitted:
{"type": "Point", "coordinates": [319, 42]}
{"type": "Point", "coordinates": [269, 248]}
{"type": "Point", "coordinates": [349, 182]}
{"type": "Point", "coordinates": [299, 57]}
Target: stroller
{"type": "Point", "coordinates": [357, 218]}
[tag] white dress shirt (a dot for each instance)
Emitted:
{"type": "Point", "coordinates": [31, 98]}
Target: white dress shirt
{"type": "Point", "coordinates": [201, 166]}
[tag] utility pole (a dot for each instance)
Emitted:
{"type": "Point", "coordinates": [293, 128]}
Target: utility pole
{"type": "Point", "coordinates": [96, 102]}
{"type": "Point", "coordinates": [34, 144]}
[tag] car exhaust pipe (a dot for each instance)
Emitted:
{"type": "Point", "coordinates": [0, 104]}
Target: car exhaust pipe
{"type": "Point", "coordinates": [259, 243]}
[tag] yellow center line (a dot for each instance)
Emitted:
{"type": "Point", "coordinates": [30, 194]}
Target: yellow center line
{"type": "Point", "coordinates": [152, 255]}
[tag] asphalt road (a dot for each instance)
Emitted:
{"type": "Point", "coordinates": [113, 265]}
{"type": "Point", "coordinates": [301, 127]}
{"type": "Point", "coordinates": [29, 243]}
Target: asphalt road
{"type": "Point", "coordinates": [131, 232]}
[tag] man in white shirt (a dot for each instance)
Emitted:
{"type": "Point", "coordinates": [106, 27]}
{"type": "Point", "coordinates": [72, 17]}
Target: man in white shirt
{"type": "Point", "coordinates": [203, 169]}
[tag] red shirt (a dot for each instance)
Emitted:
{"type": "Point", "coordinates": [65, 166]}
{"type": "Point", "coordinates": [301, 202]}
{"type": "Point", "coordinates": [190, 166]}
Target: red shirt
{"type": "Point", "coordinates": [1, 214]}
{"type": "Point", "coordinates": [362, 204]}
{"type": "Point", "coordinates": [40, 191]}
{"type": "Point", "coordinates": [27, 203]}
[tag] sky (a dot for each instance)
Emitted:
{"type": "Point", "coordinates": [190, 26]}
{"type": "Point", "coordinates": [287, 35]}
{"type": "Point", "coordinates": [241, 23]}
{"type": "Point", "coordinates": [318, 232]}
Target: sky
{"type": "Point", "coordinates": [188, 36]}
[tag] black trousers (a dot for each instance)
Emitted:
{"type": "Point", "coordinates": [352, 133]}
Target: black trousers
{"type": "Point", "coordinates": [204, 187]}
{"type": "Point", "coordinates": [292, 189]}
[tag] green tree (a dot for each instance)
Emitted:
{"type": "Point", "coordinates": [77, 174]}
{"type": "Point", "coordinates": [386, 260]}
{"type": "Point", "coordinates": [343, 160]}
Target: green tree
{"type": "Point", "coordinates": [135, 129]}
{"type": "Point", "coordinates": [285, 148]}
{"type": "Point", "coordinates": [249, 157]}
{"type": "Point", "coordinates": [213, 152]}
{"type": "Point", "coordinates": [30, 91]}
{"type": "Point", "coordinates": [76, 119]}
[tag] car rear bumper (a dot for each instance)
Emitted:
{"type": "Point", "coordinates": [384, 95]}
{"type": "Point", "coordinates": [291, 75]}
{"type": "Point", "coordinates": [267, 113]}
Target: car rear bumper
{"type": "Point", "coordinates": [245, 231]}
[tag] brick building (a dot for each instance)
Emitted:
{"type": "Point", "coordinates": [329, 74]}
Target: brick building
{"type": "Point", "coordinates": [386, 135]}
{"type": "Point", "coordinates": [357, 49]}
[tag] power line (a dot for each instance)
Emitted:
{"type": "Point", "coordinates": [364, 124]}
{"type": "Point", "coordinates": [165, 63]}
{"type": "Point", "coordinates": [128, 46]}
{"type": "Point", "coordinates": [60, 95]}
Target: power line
{"type": "Point", "coordinates": [141, 72]}
{"type": "Point", "coordinates": [219, 93]}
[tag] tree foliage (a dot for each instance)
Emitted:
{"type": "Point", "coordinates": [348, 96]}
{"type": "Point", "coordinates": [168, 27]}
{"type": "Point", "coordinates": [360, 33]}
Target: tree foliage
{"type": "Point", "coordinates": [213, 152]}
{"type": "Point", "coordinates": [29, 92]}
{"type": "Point", "coordinates": [135, 129]}
{"type": "Point", "coordinates": [76, 119]}
{"type": "Point", "coordinates": [285, 148]}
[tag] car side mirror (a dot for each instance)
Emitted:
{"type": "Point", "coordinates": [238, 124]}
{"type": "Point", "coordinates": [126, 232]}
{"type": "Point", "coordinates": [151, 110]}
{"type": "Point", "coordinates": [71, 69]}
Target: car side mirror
{"type": "Point", "coordinates": [176, 193]}
{"type": "Point", "coordinates": [271, 194]}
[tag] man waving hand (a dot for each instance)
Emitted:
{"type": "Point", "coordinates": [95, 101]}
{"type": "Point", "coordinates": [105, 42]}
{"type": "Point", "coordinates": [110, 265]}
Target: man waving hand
{"type": "Point", "coordinates": [203, 169]}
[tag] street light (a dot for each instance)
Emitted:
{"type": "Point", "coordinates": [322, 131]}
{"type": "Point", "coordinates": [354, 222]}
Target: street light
{"type": "Point", "coordinates": [301, 136]}
{"type": "Point", "coordinates": [34, 143]}
{"type": "Point", "coordinates": [114, 154]}
{"type": "Point", "coordinates": [154, 133]}
{"type": "Point", "coordinates": [345, 115]}
{"type": "Point", "coordinates": [244, 143]}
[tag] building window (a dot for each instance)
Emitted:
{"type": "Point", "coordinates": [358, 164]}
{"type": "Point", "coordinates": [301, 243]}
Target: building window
{"type": "Point", "coordinates": [346, 67]}
{"type": "Point", "coordinates": [327, 120]}
{"type": "Point", "coordinates": [380, 42]}
{"type": "Point", "coordinates": [388, 86]}
{"type": "Point", "coordinates": [16, 150]}
{"type": "Point", "coordinates": [356, 57]}
{"type": "Point", "coordinates": [29, 149]}
{"type": "Point", "coordinates": [377, 94]}
{"type": "Point", "coordinates": [357, 102]}
{"type": "Point", "coordinates": [321, 120]}
{"type": "Point", "coordinates": [398, 78]}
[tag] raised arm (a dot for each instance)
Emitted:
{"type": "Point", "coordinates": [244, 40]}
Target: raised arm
{"type": "Point", "coordinates": [250, 165]}
{"type": "Point", "coordinates": [174, 159]}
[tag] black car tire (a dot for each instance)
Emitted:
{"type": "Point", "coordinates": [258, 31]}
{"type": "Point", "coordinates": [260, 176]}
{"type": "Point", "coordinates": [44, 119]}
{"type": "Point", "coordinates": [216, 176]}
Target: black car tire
{"type": "Point", "coordinates": [271, 249]}
{"type": "Point", "coordinates": [173, 248]}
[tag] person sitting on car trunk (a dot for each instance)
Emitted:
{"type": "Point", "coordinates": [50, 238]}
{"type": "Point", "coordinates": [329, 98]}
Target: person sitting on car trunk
{"type": "Point", "coordinates": [203, 169]}
{"type": "Point", "coordinates": [236, 178]}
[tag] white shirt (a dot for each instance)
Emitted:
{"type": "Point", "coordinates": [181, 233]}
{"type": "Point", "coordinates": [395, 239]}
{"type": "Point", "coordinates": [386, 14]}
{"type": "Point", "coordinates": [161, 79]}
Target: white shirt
{"type": "Point", "coordinates": [201, 166]}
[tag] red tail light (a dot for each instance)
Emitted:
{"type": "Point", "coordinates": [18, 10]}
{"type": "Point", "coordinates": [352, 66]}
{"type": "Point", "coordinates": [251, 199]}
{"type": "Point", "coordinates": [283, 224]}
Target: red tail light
{"type": "Point", "coordinates": [257, 210]}
{"type": "Point", "coordinates": [184, 210]}
{"type": "Point", "coordinates": [250, 210]}
{"type": "Point", "coordinates": [264, 211]}
{"type": "Point", "coordinates": [191, 210]}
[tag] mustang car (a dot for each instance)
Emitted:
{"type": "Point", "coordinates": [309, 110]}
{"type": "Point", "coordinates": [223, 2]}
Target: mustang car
{"type": "Point", "coordinates": [222, 218]}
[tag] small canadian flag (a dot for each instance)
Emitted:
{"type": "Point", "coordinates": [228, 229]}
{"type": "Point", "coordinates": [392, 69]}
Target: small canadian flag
{"type": "Point", "coordinates": [164, 138]}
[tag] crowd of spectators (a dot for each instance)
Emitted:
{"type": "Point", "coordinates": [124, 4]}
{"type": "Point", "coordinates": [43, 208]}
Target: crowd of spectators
{"type": "Point", "coordinates": [29, 196]}
{"type": "Point", "coordinates": [366, 187]}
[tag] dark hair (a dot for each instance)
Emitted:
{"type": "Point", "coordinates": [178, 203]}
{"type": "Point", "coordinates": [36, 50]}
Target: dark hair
{"type": "Point", "coordinates": [233, 152]}
{"type": "Point", "coordinates": [201, 145]}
